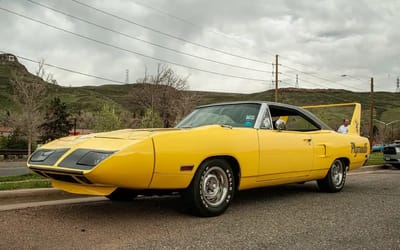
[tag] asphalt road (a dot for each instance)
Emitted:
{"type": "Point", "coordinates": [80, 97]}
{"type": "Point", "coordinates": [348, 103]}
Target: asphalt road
{"type": "Point", "coordinates": [365, 215]}
{"type": "Point", "coordinates": [10, 168]}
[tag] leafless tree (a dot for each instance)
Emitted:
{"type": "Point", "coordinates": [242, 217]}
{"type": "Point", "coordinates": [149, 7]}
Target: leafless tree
{"type": "Point", "coordinates": [29, 92]}
{"type": "Point", "coordinates": [163, 93]}
{"type": "Point", "coordinates": [129, 120]}
{"type": "Point", "coordinates": [86, 120]}
{"type": "Point", "coordinates": [41, 72]}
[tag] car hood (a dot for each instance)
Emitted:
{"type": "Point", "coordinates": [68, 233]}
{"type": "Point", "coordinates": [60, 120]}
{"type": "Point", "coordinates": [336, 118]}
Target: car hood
{"type": "Point", "coordinates": [133, 134]}
{"type": "Point", "coordinates": [105, 140]}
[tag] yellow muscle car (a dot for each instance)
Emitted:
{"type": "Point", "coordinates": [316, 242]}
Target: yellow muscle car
{"type": "Point", "coordinates": [215, 151]}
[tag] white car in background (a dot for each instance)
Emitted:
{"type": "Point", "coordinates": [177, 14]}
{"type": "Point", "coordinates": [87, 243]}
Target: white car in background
{"type": "Point", "coordinates": [391, 154]}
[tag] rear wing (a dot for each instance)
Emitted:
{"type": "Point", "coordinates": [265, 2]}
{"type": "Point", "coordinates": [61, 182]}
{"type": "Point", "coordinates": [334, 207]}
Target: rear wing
{"type": "Point", "coordinates": [354, 126]}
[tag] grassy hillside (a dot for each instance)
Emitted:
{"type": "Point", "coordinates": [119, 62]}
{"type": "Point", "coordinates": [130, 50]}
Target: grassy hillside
{"type": "Point", "coordinates": [81, 99]}
{"type": "Point", "coordinates": [387, 105]}
{"type": "Point", "coordinates": [77, 99]}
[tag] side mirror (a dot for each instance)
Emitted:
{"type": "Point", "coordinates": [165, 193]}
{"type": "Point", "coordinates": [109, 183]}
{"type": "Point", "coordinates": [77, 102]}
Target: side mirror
{"type": "Point", "coordinates": [280, 124]}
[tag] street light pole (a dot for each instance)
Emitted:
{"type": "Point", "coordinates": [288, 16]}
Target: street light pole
{"type": "Point", "coordinates": [387, 124]}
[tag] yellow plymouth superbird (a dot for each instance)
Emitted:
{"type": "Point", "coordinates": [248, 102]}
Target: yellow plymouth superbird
{"type": "Point", "coordinates": [215, 151]}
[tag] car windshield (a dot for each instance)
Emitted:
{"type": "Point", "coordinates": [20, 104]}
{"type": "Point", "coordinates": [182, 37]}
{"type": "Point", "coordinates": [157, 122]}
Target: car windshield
{"type": "Point", "coordinates": [234, 115]}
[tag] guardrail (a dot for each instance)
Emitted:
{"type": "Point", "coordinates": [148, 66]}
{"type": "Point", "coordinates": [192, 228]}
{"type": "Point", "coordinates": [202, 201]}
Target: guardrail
{"type": "Point", "coordinates": [13, 152]}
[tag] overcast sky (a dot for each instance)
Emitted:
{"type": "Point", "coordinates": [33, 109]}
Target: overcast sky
{"type": "Point", "coordinates": [220, 45]}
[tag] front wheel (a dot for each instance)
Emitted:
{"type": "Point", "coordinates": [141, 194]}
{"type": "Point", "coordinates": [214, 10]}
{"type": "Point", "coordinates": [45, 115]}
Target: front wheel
{"type": "Point", "coordinates": [335, 179]}
{"type": "Point", "coordinates": [212, 188]}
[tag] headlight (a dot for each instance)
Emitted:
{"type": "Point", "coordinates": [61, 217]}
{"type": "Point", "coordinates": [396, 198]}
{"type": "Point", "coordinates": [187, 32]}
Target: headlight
{"type": "Point", "coordinates": [47, 156]}
{"type": "Point", "coordinates": [93, 158]}
{"type": "Point", "coordinates": [41, 155]}
{"type": "Point", "coordinates": [85, 159]}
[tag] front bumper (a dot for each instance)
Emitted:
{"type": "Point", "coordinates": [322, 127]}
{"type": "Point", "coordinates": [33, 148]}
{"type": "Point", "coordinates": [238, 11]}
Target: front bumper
{"type": "Point", "coordinates": [72, 176]}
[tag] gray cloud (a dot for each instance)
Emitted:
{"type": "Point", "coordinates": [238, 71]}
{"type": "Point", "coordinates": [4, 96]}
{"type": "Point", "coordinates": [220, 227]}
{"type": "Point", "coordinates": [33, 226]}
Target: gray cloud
{"type": "Point", "coordinates": [320, 39]}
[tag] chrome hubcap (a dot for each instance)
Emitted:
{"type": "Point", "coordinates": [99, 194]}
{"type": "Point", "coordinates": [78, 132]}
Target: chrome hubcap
{"type": "Point", "coordinates": [214, 186]}
{"type": "Point", "coordinates": [337, 173]}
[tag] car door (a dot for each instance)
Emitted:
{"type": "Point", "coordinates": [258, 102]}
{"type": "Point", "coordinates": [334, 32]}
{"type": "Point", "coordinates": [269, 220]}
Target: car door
{"type": "Point", "coordinates": [286, 153]}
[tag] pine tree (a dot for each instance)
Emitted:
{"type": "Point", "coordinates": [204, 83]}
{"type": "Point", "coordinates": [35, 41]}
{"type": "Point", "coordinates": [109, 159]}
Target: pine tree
{"type": "Point", "coordinates": [57, 123]}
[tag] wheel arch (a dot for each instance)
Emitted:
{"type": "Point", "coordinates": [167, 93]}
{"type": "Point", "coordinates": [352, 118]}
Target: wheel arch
{"type": "Point", "coordinates": [232, 161]}
{"type": "Point", "coordinates": [345, 161]}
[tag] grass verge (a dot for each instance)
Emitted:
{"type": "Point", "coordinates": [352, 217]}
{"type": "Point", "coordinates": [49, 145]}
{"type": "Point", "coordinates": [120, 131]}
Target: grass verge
{"type": "Point", "coordinates": [376, 158]}
{"type": "Point", "coordinates": [24, 181]}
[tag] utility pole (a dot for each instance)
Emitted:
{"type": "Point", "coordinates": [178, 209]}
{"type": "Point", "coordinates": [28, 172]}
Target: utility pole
{"type": "Point", "coordinates": [127, 76]}
{"type": "Point", "coordinates": [273, 76]}
{"type": "Point", "coordinates": [276, 78]}
{"type": "Point", "coordinates": [297, 81]}
{"type": "Point", "coordinates": [398, 85]}
{"type": "Point", "coordinates": [371, 121]}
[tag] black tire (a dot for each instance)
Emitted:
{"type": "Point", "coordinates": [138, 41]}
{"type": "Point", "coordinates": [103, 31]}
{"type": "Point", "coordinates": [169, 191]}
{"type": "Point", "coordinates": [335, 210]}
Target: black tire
{"type": "Point", "coordinates": [335, 179]}
{"type": "Point", "coordinates": [211, 190]}
{"type": "Point", "coordinates": [396, 166]}
{"type": "Point", "coordinates": [122, 194]}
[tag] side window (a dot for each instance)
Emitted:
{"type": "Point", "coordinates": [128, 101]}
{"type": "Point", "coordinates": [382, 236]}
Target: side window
{"type": "Point", "coordinates": [284, 118]}
{"type": "Point", "coordinates": [298, 123]}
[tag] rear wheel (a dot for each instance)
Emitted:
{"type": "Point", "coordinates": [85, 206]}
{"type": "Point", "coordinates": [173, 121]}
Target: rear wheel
{"type": "Point", "coordinates": [122, 194]}
{"type": "Point", "coordinates": [335, 179]}
{"type": "Point", "coordinates": [212, 188]}
{"type": "Point", "coordinates": [396, 166]}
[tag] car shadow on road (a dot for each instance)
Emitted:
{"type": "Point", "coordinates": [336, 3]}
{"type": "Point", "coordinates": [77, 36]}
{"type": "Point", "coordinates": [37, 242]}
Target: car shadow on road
{"type": "Point", "coordinates": [172, 205]}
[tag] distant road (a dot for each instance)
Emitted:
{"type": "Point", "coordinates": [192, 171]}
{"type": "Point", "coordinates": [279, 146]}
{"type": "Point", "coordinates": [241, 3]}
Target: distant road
{"type": "Point", "coordinates": [8, 168]}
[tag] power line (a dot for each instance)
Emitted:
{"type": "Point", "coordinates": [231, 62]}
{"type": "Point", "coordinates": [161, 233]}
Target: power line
{"type": "Point", "coordinates": [313, 83]}
{"type": "Point", "coordinates": [306, 81]}
{"type": "Point", "coordinates": [168, 14]}
{"type": "Point", "coordinates": [296, 63]}
{"type": "Point", "coordinates": [169, 35]}
{"type": "Point", "coordinates": [142, 40]}
{"type": "Point", "coordinates": [194, 24]}
{"type": "Point", "coordinates": [90, 75]}
{"type": "Point", "coordinates": [120, 82]}
{"type": "Point", "coordinates": [321, 94]}
{"type": "Point", "coordinates": [336, 83]}
{"type": "Point", "coordinates": [69, 70]}
{"type": "Point", "coordinates": [320, 78]}
{"type": "Point", "coordinates": [331, 96]}
{"type": "Point", "coordinates": [128, 50]}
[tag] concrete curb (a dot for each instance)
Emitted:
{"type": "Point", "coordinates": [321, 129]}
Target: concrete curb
{"type": "Point", "coordinates": [30, 192]}
{"type": "Point", "coordinates": [34, 194]}
{"type": "Point", "coordinates": [370, 168]}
